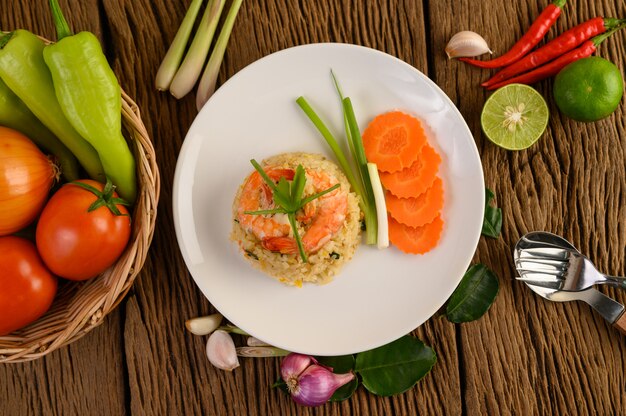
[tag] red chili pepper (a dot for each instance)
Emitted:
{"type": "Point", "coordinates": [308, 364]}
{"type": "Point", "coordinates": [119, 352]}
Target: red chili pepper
{"type": "Point", "coordinates": [557, 47]}
{"type": "Point", "coordinates": [533, 36]}
{"type": "Point", "coordinates": [552, 68]}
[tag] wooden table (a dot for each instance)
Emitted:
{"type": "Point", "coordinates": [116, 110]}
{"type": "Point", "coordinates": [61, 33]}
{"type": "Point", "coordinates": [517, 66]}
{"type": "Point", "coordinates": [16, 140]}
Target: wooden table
{"type": "Point", "coordinates": [526, 356]}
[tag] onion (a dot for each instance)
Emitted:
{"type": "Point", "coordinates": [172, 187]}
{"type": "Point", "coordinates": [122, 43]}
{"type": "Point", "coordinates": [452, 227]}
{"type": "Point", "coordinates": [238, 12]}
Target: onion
{"type": "Point", "coordinates": [26, 176]}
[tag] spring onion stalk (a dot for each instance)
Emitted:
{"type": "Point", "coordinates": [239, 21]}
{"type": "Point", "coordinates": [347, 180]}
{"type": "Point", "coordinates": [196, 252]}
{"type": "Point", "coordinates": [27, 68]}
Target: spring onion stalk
{"type": "Point", "coordinates": [209, 77]}
{"type": "Point", "coordinates": [175, 53]}
{"type": "Point", "coordinates": [345, 118]}
{"type": "Point", "coordinates": [361, 162]}
{"type": "Point", "coordinates": [381, 206]}
{"type": "Point", "coordinates": [332, 142]}
{"type": "Point", "coordinates": [191, 68]}
{"type": "Point", "coordinates": [366, 204]}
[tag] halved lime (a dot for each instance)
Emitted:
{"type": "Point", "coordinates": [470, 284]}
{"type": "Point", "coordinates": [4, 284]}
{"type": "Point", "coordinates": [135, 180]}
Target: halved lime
{"type": "Point", "coordinates": [514, 117]}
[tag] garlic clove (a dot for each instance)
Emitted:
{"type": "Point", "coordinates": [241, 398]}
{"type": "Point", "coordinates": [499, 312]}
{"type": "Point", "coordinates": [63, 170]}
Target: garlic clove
{"type": "Point", "coordinates": [221, 351]}
{"type": "Point", "coordinates": [316, 385]}
{"type": "Point", "coordinates": [204, 325]}
{"type": "Point", "coordinates": [466, 43]}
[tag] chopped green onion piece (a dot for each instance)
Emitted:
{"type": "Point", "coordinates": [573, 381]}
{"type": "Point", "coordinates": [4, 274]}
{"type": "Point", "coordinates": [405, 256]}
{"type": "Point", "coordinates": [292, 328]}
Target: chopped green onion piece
{"type": "Point", "coordinates": [175, 53]}
{"type": "Point", "coordinates": [332, 142]}
{"type": "Point", "coordinates": [357, 143]}
{"type": "Point", "coordinates": [317, 195]}
{"type": "Point", "coordinates": [292, 221]}
{"type": "Point", "coordinates": [361, 161]}
{"type": "Point", "coordinates": [366, 200]}
{"type": "Point", "coordinates": [209, 77]}
{"type": "Point", "coordinates": [191, 68]}
{"type": "Point", "coordinates": [381, 206]}
{"type": "Point", "coordinates": [345, 118]}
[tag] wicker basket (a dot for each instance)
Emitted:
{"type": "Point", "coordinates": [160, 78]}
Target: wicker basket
{"type": "Point", "coordinates": [81, 306]}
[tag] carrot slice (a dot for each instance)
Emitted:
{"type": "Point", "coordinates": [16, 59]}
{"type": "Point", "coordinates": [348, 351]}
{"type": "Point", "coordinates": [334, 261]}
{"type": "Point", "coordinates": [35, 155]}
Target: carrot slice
{"type": "Point", "coordinates": [393, 141]}
{"type": "Point", "coordinates": [417, 178]}
{"type": "Point", "coordinates": [416, 212]}
{"type": "Point", "coordinates": [415, 240]}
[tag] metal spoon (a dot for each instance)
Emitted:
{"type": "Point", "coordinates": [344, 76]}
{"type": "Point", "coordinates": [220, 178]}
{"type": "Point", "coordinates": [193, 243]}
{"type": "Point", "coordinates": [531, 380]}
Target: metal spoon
{"type": "Point", "coordinates": [548, 260]}
{"type": "Point", "coordinates": [610, 310]}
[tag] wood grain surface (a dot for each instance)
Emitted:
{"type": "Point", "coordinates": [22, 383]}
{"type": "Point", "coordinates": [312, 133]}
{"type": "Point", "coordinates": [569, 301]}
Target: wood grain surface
{"type": "Point", "coordinates": [526, 356]}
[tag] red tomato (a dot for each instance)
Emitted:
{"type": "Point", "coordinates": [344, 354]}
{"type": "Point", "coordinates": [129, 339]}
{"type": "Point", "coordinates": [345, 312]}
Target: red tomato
{"type": "Point", "coordinates": [27, 288]}
{"type": "Point", "coordinates": [77, 244]}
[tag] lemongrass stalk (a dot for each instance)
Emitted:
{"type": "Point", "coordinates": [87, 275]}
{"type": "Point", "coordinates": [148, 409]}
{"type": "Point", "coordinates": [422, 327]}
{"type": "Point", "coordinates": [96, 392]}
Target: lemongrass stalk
{"type": "Point", "coordinates": [175, 53]}
{"type": "Point", "coordinates": [232, 329]}
{"type": "Point", "coordinates": [261, 352]}
{"type": "Point", "coordinates": [206, 88]}
{"type": "Point", "coordinates": [255, 342]}
{"type": "Point", "coordinates": [381, 206]}
{"type": "Point", "coordinates": [191, 68]}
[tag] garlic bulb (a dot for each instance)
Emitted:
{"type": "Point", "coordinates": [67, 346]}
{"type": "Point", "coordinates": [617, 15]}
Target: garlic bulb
{"type": "Point", "coordinates": [221, 351]}
{"type": "Point", "coordinates": [466, 43]}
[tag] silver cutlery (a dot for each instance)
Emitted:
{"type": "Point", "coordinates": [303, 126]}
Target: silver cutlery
{"type": "Point", "coordinates": [610, 310]}
{"type": "Point", "coordinates": [544, 262]}
{"type": "Point", "coordinates": [547, 260]}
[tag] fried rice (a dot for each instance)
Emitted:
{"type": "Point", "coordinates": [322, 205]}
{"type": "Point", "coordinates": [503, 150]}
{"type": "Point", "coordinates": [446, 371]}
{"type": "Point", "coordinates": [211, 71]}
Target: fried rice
{"type": "Point", "coordinates": [328, 260]}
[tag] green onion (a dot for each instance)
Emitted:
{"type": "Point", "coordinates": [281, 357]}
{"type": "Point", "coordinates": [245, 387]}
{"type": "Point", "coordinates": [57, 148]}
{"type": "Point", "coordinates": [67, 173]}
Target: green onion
{"type": "Point", "coordinates": [381, 206]}
{"type": "Point", "coordinates": [332, 142]}
{"type": "Point", "coordinates": [361, 184]}
{"type": "Point", "coordinates": [288, 196]}
{"type": "Point", "coordinates": [209, 77]}
{"type": "Point", "coordinates": [190, 70]}
{"type": "Point", "coordinates": [361, 161]}
{"type": "Point", "coordinates": [345, 118]}
{"type": "Point", "coordinates": [175, 53]}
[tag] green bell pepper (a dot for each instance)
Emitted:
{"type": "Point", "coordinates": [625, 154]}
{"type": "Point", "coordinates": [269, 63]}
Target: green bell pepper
{"type": "Point", "coordinates": [90, 97]}
{"type": "Point", "coordinates": [24, 71]}
{"type": "Point", "coordinates": [14, 114]}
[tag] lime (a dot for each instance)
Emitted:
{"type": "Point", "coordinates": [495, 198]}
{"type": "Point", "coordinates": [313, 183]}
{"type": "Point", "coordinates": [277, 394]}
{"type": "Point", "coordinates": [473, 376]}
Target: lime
{"type": "Point", "coordinates": [588, 89]}
{"type": "Point", "coordinates": [514, 117]}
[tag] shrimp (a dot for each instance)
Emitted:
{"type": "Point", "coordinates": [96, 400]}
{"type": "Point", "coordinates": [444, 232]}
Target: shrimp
{"type": "Point", "coordinates": [256, 196]}
{"type": "Point", "coordinates": [326, 215]}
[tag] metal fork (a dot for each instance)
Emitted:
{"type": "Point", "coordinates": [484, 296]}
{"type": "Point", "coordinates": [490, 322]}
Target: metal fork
{"type": "Point", "coordinates": [561, 269]}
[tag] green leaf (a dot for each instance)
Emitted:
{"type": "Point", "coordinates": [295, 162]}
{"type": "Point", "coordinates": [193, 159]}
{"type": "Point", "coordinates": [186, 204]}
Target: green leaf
{"type": "Point", "coordinates": [396, 367]}
{"type": "Point", "coordinates": [341, 364]}
{"type": "Point", "coordinates": [492, 222]}
{"type": "Point", "coordinates": [474, 295]}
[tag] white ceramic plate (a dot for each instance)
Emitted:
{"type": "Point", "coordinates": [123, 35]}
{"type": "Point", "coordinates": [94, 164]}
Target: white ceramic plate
{"type": "Point", "coordinates": [381, 294]}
